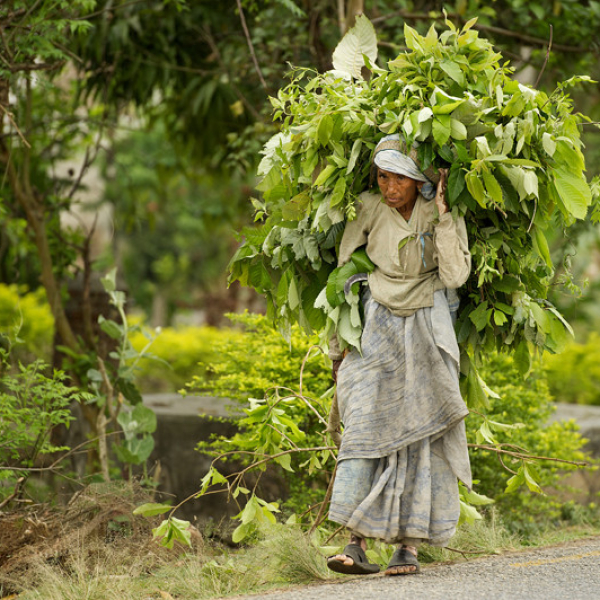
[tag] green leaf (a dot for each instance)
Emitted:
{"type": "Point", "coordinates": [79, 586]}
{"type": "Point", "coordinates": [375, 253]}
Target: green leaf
{"type": "Point", "coordinates": [360, 39]}
{"type": "Point", "coordinates": [151, 509]}
{"type": "Point", "coordinates": [361, 260]}
{"type": "Point", "coordinates": [475, 187]}
{"type": "Point", "coordinates": [456, 182]}
{"type": "Point", "coordinates": [454, 71]}
{"type": "Point", "coordinates": [468, 514]}
{"type": "Point", "coordinates": [480, 317]}
{"type": "Point", "coordinates": [285, 460]}
{"type": "Point", "coordinates": [540, 244]}
{"type": "Point", "coordinates": [325, 129]}
{"type": "Point", "coordinates": [297, 208]}
{"type": "Point", "coordinates": [442, 129]}
{"type": "Point", "coordinates": [573, 191]}
{"type": "Point", "coordinates": [522, 358]}
{"type": "Point", "coordinates": [354, 154]}
{"type": "Point", "coordinates": [457, 130]}
{"type": "Point", "coordinates": [241, 532]}
{"type": "Point", "coordinates": [339, 192]}
{"type": "Point", "coordinates": [515, 482]}
{"type": "Point", "coordinates": [493, 187]}
{"type": "Point", "coordinates": [112, 329]}
{"type": "Point", "coordinates": [325, 174]}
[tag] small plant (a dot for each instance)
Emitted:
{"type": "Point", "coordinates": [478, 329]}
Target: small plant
{"type": "Point", "coordinates": [31, 405]}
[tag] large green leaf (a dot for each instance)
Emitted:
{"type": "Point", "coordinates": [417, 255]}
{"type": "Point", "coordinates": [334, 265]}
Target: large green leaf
{"type": "Point", "coordinates": [348, 54]}
{"type": "Point", "coordinates": [574, 192]}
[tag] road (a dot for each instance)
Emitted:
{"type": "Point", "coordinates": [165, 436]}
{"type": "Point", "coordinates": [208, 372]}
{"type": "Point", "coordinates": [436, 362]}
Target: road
{"type": "Point", "coordinates": [566, 572]}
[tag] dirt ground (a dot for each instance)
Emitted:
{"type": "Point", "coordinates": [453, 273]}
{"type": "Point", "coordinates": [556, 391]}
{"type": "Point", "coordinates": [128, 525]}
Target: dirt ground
{"type": "Point", "coordinates": [100, 517]}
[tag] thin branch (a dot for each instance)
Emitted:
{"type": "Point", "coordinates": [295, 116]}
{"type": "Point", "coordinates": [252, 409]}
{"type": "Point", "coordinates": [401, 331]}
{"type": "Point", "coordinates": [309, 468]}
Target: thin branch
{"type": "Point", "coordinates": [22, 67]}
{"type": "Point", "coordinates": [12, 120]}
{"type": "Point", "coordinates": [321, 516]}
{"type": "Point", "coordinates": [334, 534]}
{"type": "Point", "coordinates": [547, 57]}
{"type": "Point", "coordinates": [250, 45]}
{"type": "Point", "coordinates": [14, 494]}
{"type": "Point", "coordinates": [526, 456]}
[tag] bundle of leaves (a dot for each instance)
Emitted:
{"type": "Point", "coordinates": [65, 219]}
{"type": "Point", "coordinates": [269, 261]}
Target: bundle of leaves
{"type": "Point", "coordinates": [516, 171]}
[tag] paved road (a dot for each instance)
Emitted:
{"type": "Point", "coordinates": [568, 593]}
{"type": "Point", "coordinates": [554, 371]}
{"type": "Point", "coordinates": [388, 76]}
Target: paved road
{"type": "Point", "coordinates": [567, 572]}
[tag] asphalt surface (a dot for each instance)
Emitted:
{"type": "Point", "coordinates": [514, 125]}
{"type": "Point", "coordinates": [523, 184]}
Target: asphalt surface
{"type": "Point", "coordinates": [566, 572]}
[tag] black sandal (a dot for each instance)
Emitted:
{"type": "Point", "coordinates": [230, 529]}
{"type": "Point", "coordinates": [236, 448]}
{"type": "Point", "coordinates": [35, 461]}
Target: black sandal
{"type": "Point", "coordinates": [361, 565]}
{"type": "Point", "coordinates": [403, 558]}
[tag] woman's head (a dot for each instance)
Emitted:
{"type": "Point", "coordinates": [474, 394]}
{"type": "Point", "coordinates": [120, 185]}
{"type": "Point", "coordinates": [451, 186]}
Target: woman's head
{"type": "Point", "coordinates": [399, 191]}
{"type": "Point", "coordinates": [391, 156]}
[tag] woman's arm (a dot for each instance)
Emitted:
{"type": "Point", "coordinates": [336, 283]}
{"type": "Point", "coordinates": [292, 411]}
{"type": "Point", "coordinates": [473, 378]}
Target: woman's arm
{"type": "Point", "coordinates": [451, 246]}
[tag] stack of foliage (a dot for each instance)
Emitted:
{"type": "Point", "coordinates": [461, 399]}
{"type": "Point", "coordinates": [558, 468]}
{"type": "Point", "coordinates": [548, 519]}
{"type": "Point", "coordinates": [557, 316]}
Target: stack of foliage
{"type": "Point", "coordinates": [516, 171]}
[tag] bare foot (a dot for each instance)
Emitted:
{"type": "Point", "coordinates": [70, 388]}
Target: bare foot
{"type": "Point", "coordinates": [403, 569]}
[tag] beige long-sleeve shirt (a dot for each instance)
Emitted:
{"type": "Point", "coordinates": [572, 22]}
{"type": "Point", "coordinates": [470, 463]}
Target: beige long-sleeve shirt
{"type": "Point", "coordinates": [412, 259]}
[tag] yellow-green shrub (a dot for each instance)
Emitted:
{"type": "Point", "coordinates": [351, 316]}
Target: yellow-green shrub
{"type": "Point", "coordinates": [182, 354]}
{"type": "Point", "coordinates": [574, 374]}
{"type": "Point", "coordinates": [26, 319]}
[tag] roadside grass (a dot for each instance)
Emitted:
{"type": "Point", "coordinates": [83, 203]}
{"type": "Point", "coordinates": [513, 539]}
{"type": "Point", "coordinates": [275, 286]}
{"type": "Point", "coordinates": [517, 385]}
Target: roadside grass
{"type": "Point", "coordinates": [282, 557]}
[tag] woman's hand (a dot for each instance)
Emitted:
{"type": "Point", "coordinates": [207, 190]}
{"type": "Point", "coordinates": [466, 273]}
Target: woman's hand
{"type": "Point", "coordinates": [334, 369]}
{"type": "Point", "coordinates": [440, 195]}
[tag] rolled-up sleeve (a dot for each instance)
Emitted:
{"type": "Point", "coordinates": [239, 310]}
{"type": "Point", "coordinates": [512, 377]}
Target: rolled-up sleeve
{"type": "Point", "coordinates": [451, 251]}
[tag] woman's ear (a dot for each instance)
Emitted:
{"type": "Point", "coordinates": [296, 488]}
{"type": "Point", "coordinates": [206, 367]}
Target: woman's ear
{"type": "Point", "coordinates": [420, 185]}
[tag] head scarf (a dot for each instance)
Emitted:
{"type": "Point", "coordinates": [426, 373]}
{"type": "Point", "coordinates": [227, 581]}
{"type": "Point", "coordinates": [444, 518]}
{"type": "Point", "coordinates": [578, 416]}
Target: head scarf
{"type": "Point", "coordinates": [390, 155]}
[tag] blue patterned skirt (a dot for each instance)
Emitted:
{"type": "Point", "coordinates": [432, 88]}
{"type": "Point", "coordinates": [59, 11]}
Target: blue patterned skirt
{"type": "Point", "coordinates": [404, 443]}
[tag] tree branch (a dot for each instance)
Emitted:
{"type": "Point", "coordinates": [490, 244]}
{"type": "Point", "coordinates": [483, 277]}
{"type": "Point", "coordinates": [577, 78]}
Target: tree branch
{"type": "Point", "coordinates": [250, 45]}
{"type": "Point", "coordinates": [546, 59]}
{"type": "Point", "coordinates": [527, 456]}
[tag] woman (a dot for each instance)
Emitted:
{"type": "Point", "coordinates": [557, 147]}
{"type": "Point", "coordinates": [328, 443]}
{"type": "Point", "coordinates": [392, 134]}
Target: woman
{"type": "Point", "coordinates": [404, 442]}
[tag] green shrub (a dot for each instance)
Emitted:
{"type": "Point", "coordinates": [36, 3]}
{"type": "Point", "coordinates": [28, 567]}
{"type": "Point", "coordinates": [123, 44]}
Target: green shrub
{"type": "Point", "coordinates": [260, 365]}
{"type": "Point", "coordinates": [26, 317]}
{"type": "Point", "coordinates": [31, 405]}
{"type": "Point", "coordinates": [252, 366]}
{"type": "Point", "coordinates": [183, 354]}
{"type": "Point", "coordinates": [574, 374]}
{"type": "Point", "coordinates": [528, 402]}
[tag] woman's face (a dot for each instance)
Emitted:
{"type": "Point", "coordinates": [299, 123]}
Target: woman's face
{"type": "Point", "coordinates": [398, 191]}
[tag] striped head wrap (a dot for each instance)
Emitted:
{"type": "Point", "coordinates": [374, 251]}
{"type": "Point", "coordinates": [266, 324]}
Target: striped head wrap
{"type": "Point", "coordinates": [391, 155]}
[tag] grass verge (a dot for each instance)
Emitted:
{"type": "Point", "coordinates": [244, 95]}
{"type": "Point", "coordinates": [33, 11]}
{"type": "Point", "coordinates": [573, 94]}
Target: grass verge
{"type": "Point", "coordinates": [282, 557]}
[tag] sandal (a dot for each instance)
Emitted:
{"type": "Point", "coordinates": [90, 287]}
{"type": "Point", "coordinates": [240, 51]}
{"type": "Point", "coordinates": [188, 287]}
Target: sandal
{"type": "Point", "coordinates": [403, 558]}
{"type": "Point", "coordinates": [361, 565]}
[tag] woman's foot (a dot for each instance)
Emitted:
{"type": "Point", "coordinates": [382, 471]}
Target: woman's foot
{"type": "Point", "coordinates": [353, 560]}
{"type": "Point", "coordinates": [403, 562]}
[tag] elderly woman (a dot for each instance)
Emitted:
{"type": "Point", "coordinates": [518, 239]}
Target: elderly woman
{"type": "Point", "coordinates": [404, 444]}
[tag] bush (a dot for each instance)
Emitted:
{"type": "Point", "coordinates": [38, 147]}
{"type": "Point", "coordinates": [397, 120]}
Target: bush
{"type": "Point", "coordinates": [26, 317]}
{"type": "Point", "coordinates": [261, 366]}
{"type": "Point", "coordinates": [528, 402]}
{"type": "Point", "coordinates": [253, 365]}
{"type": "Point", "coordinates": [574, 374]}
{"type": "Point", "coordinates": [182, 353]}
{"type": "Point", "coordinates": [31, 405]}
